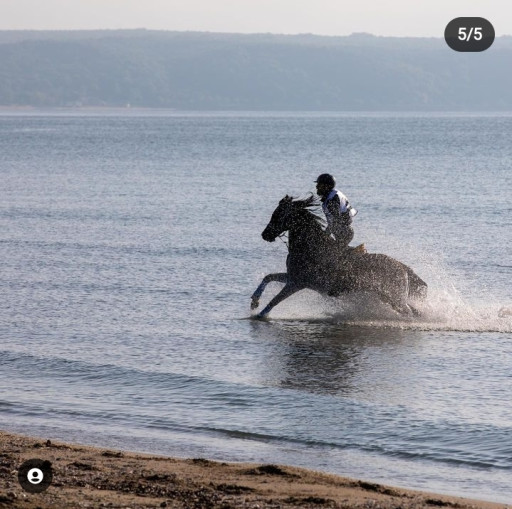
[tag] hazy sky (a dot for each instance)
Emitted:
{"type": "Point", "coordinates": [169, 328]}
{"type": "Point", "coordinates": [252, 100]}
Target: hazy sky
{"type": "Point", "coordinates": [325, 17]}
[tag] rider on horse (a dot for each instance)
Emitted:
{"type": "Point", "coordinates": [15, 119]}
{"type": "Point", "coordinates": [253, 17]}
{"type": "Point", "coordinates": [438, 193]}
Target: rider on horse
{"type": "Point", "coordinates": [337, 210]}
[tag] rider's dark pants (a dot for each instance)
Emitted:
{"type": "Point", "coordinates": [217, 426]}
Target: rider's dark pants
{"type": "Point", "coordinates": [344, 237]}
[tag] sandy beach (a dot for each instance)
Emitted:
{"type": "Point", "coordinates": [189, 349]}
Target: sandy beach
{"type": "Point", "coordinates": [86, 476]}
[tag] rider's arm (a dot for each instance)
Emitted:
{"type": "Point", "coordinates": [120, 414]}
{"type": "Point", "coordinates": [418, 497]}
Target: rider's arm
{"type": "Point", "coordinates": [333, 205]}
{"type": "Point", "coordinates": [339, 219]}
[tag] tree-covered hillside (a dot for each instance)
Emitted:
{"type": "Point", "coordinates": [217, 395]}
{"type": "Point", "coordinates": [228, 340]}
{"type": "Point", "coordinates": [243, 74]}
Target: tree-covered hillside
{"type": "Point", "coordinates": [206, 71]}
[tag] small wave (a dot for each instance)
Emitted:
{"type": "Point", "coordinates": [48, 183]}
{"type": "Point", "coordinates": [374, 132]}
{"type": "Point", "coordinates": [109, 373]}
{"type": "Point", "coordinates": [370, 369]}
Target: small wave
{"type": "Point", "coordinates": [90, 374]}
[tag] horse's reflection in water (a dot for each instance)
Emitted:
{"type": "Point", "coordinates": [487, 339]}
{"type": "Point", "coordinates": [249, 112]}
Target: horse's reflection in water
{"type": "Point", "coordinates": [314, 263]}
{"type": "Point", "coordinates": [333, 359]}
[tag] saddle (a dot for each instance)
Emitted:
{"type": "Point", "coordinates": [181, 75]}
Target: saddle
{"type": "Point", "coordinates": [360, 249]}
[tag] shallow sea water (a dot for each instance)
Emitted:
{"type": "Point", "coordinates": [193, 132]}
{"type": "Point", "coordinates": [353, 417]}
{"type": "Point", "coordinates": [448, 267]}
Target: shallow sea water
{"type": "Point", "coordinates": [130, 246]}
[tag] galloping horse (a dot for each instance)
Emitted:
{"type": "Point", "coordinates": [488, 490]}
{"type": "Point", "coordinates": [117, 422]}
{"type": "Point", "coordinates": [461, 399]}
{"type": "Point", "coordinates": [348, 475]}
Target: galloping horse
{"type": "Point", "coordinates": [313, 262]}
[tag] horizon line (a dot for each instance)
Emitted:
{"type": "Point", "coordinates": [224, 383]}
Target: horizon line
{"type": "Point", "coordinates": [298, 34]}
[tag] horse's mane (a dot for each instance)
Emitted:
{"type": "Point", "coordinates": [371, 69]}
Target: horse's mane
{"type": "Point", "coordinates": [312, 206]}
{"type": "Point", "coordinates": [307, 202]}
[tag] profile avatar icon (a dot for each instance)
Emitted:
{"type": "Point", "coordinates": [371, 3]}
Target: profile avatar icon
{"type": "Point", "coordinates": [35, 475]}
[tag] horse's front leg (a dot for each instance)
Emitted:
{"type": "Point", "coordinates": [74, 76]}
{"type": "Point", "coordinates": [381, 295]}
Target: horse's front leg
{"type": "Point", "coordinates": [280, 277]}
{"type": "Point", "coordinates": [289, 289]}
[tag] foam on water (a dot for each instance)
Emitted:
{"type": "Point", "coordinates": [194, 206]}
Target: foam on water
{"type": "Point", "coordinates": [437, 313]}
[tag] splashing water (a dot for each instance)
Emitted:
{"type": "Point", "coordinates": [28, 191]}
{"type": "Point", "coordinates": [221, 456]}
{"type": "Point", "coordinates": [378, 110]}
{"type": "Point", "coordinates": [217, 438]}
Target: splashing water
{"type": "Point", "coordinates": [444, 309]}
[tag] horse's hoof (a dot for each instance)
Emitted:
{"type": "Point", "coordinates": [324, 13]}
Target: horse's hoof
{"type": "Point", "coordinates": [415, 312]}
{"type": "Point", "coordinates": [254, 303]}
{"type": "Point", "coordinates": [261, 316]}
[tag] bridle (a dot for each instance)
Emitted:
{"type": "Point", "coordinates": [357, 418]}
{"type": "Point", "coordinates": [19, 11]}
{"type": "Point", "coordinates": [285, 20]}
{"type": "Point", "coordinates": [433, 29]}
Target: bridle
{"type": "Point", "coordinates": [282, 237]}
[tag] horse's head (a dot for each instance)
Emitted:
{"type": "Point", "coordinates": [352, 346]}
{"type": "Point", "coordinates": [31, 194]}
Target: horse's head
{"type": "Point", "coordinates": [280, 220]}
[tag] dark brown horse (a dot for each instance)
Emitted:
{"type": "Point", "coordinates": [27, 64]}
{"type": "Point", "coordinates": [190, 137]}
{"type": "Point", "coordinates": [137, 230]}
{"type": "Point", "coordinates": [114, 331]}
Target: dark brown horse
{"type": "Point", "coordinates": [313, 262]}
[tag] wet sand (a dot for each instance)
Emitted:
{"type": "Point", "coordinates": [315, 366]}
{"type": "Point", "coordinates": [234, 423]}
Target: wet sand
{"type": "Point", "coordinates": [91, 477]}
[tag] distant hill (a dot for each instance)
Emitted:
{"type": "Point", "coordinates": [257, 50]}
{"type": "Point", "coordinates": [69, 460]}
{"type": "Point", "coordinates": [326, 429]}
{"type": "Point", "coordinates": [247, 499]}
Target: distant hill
{"type": "Point", "coordinates": [209, 71]}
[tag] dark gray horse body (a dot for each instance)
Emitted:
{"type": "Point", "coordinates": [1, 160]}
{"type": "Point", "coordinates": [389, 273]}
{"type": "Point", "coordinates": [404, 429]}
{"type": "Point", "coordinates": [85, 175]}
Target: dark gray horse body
{"type": "Point", "coordinates": [313, 262]}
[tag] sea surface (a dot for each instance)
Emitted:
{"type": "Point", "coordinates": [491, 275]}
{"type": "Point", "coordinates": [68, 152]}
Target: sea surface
{"type": "Point", "coordinates": [130, 246]}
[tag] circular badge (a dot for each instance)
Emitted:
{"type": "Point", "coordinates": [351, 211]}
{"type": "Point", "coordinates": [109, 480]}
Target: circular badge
{"type": "Point", "coordinates": [35, 475]}
{"type": "Point", "coordinates": [469, 34]}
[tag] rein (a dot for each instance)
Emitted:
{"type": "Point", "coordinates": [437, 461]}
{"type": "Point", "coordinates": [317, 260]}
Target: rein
{"type": "Point", "coordinates": [282, 237]}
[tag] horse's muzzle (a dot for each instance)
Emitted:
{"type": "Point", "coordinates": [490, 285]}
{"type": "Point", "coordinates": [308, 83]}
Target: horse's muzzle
{"type": "Point", "coordinates": [268, 236]}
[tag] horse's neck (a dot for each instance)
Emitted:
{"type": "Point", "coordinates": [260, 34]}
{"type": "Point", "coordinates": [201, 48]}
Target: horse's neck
{"type": "Point", "coordinates": [305, 234]}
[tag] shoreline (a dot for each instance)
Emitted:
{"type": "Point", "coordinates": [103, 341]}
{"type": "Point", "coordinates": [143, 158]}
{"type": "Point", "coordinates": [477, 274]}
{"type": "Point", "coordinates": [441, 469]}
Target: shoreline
{"type": "Point", "coordinates": [86, 476]}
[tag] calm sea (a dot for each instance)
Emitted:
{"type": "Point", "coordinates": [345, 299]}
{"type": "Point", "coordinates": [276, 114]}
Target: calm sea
{"type": "Point", "coordinates": [130, 245]}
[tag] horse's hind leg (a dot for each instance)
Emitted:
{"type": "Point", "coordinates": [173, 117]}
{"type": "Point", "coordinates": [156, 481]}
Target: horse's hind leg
{"type": "Point", "coordinates": [417, 287]}
{"type": "Point", "coordinates": [280, 277]}
{"type": "Point", "coordinates": [396, 296]}
{"type": "Point", "coordinates": [415, 311]}
{"type": "Point", "coordinates": [398, 305]}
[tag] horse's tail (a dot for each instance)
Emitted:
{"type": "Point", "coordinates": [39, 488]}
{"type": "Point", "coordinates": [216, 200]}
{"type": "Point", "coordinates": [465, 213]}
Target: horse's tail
{"type": "Point", "coordinates": [417, 287]}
